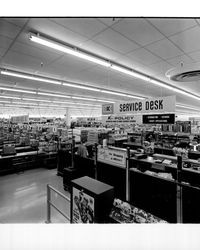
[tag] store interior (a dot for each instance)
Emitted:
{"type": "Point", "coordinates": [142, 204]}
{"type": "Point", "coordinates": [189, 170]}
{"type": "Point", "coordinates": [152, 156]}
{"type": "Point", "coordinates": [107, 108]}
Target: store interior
{"type": "Point", "coordinates": [62, 81]}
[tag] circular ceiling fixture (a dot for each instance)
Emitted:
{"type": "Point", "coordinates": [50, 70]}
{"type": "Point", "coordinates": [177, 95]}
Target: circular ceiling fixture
{"type": "Point", "coordinates": [184, 73]}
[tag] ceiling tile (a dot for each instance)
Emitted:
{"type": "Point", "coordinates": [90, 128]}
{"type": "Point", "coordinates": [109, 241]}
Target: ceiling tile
{"type": "Point", "coordinates": [164, 49]}
{"type": "Point", "coordinates": [4, 44]}
{"type": "Point", "coordinates": [7, 29]}
{"type": "Point", "coordinates": [115, 41]}
{"type": "Point", "coordinates": [2, 51]}
{"type": "Point", "coordinates": [195, 56]}
{"type": "Point", "coordinates": [144, 56]}
{"type": "Point", "coordinates": [34, 52]}
{"type": "Point", "coordinates": [19, 21]}
{"type": "Point", "coordinates": [109, 21]}
{"type": "Point", "coordinates": [85, 26]}
{"type": "Point", "coordinates": [73, 62]}
{"type": "Point", "coordinates": [159, 68]}
{"type": "Point", "coordinates": [138, 30]}
{"type": "Point", "coordinates": [188, 40]}
{"type": "Point", "coordinates": [60, 71]}
{"type": "Point", "coordinates": [170, 26]}
{"type": "Point", "coordinates": [100, 50]}
{"type": "Point", "coordinates": [175, 61]}
{"type": "Point", "coordinates": [22, 61]}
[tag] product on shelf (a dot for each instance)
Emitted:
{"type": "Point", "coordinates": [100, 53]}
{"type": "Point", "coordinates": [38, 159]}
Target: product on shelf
{"type": "Point", "coordinates": [123, 212]}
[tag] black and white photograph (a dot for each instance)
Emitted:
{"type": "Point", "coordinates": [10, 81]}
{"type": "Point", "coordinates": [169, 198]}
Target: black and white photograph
{"type": "Point", "coordinates": [100, 125]}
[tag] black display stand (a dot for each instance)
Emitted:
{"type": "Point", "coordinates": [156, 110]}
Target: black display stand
{"type": "Point", "coordinates": [91, 201]}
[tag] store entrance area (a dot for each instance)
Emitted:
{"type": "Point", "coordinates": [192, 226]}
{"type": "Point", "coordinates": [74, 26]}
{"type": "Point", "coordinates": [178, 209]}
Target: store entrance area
{"type": "Point", "coordinates": [23, 197]}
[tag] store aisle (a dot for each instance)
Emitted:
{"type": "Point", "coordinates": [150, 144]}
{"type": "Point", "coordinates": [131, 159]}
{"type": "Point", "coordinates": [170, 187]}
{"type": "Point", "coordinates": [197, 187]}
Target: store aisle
{"type": "Point", "coordinates": [23, 197]}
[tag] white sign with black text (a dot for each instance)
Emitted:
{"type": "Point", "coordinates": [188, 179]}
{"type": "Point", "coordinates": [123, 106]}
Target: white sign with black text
{"type": "Point", "coordinates": [152, 105]}
{"type": "Point", "coordinates": [112, 156]}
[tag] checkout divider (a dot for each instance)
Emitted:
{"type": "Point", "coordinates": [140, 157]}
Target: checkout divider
{"type": "Point", "coordinates": [172, 200]}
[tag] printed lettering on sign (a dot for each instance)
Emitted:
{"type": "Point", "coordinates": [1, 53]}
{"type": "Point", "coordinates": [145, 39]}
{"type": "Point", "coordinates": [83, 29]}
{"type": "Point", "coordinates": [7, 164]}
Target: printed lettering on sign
{"type": "Point", "coordinates": [154, 105]}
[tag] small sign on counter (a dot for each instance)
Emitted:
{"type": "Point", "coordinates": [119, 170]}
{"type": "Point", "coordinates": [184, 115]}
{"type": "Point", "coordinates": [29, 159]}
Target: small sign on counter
{"type": "Point", "coordinates": [112, 156]}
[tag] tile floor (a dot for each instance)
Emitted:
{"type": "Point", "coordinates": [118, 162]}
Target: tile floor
{"type": "Point", "coordinates": [23, 197]}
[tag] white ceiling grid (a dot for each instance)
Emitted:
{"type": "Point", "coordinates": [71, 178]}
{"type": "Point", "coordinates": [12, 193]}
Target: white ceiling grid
{"type": "Point", "coordinates": [149, 45]}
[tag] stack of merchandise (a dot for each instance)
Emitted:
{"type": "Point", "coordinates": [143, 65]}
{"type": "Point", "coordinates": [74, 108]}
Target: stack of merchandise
{"type": "Point", "coordinates": [123, 212]}
{"type": "Point", "coordinates": [8, 149]}
{"type": "Point", "coordinates": [92, 137]}
{"type": "Point", "coordinates": [1, 135]}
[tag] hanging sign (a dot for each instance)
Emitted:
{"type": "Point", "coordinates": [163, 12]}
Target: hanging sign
{"type": "Point", "coordinates": [122, 119]}
{"type": "Point", "coordinates": [111, 156]}
{"type": "Point", "coordinates": [153, 105]}
{"type": "Point", "coordinates": [159, 119]}
{"type": "Point", "coordinates": [108, 109]}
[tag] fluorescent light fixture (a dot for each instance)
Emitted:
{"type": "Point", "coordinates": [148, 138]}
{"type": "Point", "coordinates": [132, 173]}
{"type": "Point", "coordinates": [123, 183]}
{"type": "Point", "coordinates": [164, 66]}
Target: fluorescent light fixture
{"type": "Point", "coordinates": [78, 103]}
{"type": "Point", "coordinates": [113, 93]}
{"type": "Point", "coordinates": [18, 90]}
{"type": "Point", "coordinates": [11, 97]}
{"type": "Point", "coordinates": [83, 98]}
{"type": "Point", "coordinates": [55, 95]}
{"type": "Point", "coordinates": [5, 101]}
{"type": "Point", "coordinates": [81, 87]}
{"type": "Point", "coordinates": [129, 72]}
{"type": "Point", "coordinates": [24, 103]}
{"type": "Point", "coordinates": [187, 107]}
{"type": "Point", "coordinates": [68, 50]}
{"type": "Point", "coordinates": [136, 97]}
{"type": "Point", "coordinates": [156, 82]}
{"type": "Point", "coordinates": [26, 76]}
{"type": "Point", "coordinates": [99, 100]}
{"type": "Point", "coordinates": [106, 63]}
{"type": "Point", "coordinates": [37, 100]}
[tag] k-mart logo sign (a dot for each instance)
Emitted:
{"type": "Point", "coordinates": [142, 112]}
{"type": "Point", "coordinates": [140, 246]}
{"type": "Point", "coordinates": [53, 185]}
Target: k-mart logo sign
{"type": "Point", "coordinates": [107, 109]}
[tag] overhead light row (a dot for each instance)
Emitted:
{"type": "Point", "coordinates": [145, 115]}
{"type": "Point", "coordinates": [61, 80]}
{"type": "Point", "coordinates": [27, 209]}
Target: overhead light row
{"type": "Point", "coordinates": [53, 104]}
{"type": "Point", "coordinates": [44, 100]}
{"type": "Point", "coordinates": [186, 107]}
{"type": "Point", "coordinates": [64, 83]}
{"type": "Point", "coordinates": [54, 95]}
{"type": "Point", "coordinates": [106, 63]}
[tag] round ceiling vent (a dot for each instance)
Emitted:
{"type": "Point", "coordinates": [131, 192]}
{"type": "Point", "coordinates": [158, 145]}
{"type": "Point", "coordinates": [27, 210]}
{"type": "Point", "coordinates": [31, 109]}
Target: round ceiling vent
{"type": "Point", "coordinates": [189, 73]}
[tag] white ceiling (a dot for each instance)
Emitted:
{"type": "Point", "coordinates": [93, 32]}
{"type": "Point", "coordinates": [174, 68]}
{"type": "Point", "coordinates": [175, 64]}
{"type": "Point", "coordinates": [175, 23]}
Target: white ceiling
{"type": "Point", "coordinates": [149, 45]}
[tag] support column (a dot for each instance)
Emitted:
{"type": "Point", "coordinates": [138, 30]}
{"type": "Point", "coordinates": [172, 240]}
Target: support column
{"type": "Point", "coordinates": [68, 117]}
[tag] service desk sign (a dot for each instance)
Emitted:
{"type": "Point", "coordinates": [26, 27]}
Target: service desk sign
{"type": "Point", "coordinates": [112, 156]}
{"type": "Point", "coordinates": [153, 105]}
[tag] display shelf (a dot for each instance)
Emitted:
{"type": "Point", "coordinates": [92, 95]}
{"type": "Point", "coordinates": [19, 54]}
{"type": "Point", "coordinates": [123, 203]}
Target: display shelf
{"type": "Point", "coordinates": [152, 175]}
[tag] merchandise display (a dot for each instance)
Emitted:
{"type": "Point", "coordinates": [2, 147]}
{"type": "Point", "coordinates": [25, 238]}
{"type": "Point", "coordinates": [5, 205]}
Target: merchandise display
{"type": "Point", "coordinates": [123, 212]}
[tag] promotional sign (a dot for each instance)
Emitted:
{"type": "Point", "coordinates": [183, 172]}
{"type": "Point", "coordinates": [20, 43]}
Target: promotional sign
{"type": "Point", "coordinates": [153, 105]}
{"type": "Point", "coordinates": [108, 109]}
{"type": "Point", "coordinates": [20, 119]}
{"type": "Point", "coordinates": [83, 207]}
{"type": "Point", "coordinates": [112, 156]}
{"type": "Point", "coordinates": [122, 119]}
{"type": "Point", "coordinates": [159, 119]}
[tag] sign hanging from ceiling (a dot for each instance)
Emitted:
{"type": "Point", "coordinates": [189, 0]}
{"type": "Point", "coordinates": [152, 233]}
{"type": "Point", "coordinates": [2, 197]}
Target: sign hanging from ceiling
{"type": "Point", "coordinates": [153, 105]}
{"type": "Point", "coordinates": [159, 119]}
{"type": "Point", "coordinates": [122, 119]}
